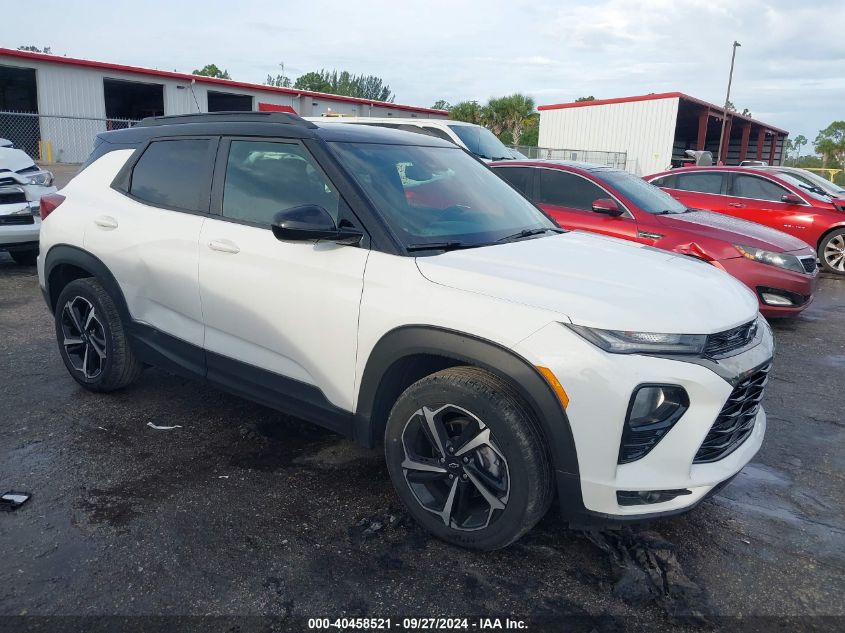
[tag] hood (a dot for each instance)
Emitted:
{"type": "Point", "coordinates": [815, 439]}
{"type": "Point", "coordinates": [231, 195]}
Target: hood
{"type": "Point", "coordinates": [14, 159]}
{"type": "Point", "coordinates": [733, 230]}
{"type": "Point", "coordinates": [600, 282]}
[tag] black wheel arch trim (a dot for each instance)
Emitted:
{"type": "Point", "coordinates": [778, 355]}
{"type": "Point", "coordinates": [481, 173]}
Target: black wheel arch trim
{"type": "Point", "coordinates": [64, 254]}
{"type": "Point", "coordinates": [412, 340]}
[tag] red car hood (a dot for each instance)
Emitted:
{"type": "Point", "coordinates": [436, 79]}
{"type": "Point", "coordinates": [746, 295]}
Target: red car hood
{"type": "Point", "coordinates": [733, 230]}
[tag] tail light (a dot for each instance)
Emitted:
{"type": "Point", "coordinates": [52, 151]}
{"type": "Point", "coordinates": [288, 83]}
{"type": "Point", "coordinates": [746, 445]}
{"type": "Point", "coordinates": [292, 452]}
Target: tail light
{"type": "Point", "coordinates": [50, 203]}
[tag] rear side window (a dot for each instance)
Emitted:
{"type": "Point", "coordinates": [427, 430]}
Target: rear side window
{"type": "Point", "coordinates": [563, 189]}
{"type": "Point", "coordinates": [700, 183]}
{"type": "Point", "coordinates": [173, 174]}
{"type": "Point", "coordinates": [518, 177]}
{"type": "Point", "coordinates": [263, 178]}
{"type": "Point", "coordinates": [746, 186]}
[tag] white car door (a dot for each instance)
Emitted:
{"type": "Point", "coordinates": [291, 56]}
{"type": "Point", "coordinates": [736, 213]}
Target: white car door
{"type": "Point", "coordinates": [148, 236]}
{"type": "Point", "coordinates": [279, 316]}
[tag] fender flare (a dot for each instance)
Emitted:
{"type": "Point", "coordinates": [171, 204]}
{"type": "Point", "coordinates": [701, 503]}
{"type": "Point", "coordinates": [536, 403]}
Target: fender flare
{"type": "Point", "coordinates": [71, 255]}
{"type": "Point", "coordinates": [471, 350]}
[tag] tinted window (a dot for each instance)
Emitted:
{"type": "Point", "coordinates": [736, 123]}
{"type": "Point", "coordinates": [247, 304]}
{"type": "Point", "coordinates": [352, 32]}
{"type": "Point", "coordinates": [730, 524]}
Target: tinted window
{"type": "Point", "coordinates": [481, 142]}
{"type": "Point", "coordinates": [746, 186]}
{"type": "Point", "coordinates": [518, 177]}
{"type": "Point", "coordinates": [437, 194]}
{"type": "Point", "coordinates": [173, 174]}
{"type": "Point", "coordinates": [701, 183]}
{"type": "Point", "coordinates": [436, 131]}
{"type": "Point", "coordinates": [645, 195]}
{"type": "Point", "coordinates": [568, 190]}
{"type": "Point", "coordinates": [664, 181]}
{"type": "Point", "coordinates": [263, 178]}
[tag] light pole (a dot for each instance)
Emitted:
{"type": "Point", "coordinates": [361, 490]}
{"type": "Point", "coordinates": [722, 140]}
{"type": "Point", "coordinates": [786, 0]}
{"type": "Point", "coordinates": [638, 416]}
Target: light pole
{"type": "Point", "coordinates": [727, 101]}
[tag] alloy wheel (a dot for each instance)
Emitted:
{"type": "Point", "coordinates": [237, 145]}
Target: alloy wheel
{"type": "Point", "coordinates": [84, 337]}
{"type": "Point", "coordinates": [454, 468]}
{"type": "Point", "coordinates": [834, 253]}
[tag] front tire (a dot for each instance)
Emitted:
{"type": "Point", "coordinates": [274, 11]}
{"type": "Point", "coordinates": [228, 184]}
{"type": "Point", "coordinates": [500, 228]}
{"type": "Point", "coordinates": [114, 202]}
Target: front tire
{"type": "Point", "coordinates": [26, 257]}
{"type": "Point", "coordinates": [832, 252]}
{"type": "Point", "coordinates": [92, 338]}
{"type": "Point", "coordinates": [466, 456]}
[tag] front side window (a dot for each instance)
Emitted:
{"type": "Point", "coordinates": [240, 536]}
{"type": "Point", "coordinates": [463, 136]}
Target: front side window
{"type": "Point", "coordinates": [699, 183]}
{"type": "Point", "coordinates": [173, 174]}
{"type": "Point", "coordinates": [747, 186]}
{"type": "Point", "coordinates": [564, 189]}
{"type": "Point", "coordinates": [263, 178]}
{"type": "Point", "coordinates": [643, 194]}
{"type": "Point", "coordinates": [438, 194]}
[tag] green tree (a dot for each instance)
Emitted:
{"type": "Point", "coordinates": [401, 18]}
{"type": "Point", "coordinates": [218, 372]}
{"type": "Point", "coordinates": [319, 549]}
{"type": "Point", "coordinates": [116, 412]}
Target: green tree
{"type": "Point", "coordinates": [281, 80]}
{"type": "Point", "coordinates": [797, 144]}
{"type": "Point", "coordinates": [346, 84]}
{"type": "Point", "coordinates": [590, 98]}
{"type": "Point", "coordinates": [35, 49]}
{"type": "Point", "coordinates": [469, 111]}
{"type": "Point", "coordinates": [517, 109]}
{"type": "Point", "coordinates": [441, 104]}
{"type": "Point", "coordinates": [830, 143]}
{"type": "Point", "coordinates": [211, 70]}
{"type": "Point", "coordinates": [531, 132]}
{"type": "Point", "coordinates": [494, 115]}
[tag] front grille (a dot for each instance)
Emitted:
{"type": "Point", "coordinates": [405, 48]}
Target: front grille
{"type": "Point", "coordinates": [8, 181]}
{"type": "Point", "coordinates": [723, 343]}
{"type": "Point", "coordinates": [809, 263]}
{"type": "Point", "coordinates": [736, 420]}
{"type": "Point", "coordinates": [12, 196]}
{"type": "Point", "coordinates": [9, 220]}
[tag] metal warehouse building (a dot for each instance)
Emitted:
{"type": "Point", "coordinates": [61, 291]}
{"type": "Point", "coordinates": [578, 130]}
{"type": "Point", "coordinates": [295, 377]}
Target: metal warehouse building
{"type": "Point", "coordinates": [656, 129]}
{"type": "Point", "coordinates": [68, 101]}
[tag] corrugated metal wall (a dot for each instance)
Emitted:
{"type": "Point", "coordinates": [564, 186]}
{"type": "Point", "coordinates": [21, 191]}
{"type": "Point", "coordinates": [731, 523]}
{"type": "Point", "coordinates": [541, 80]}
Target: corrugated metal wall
{"type": "Point", "coordinates": [643, 129]}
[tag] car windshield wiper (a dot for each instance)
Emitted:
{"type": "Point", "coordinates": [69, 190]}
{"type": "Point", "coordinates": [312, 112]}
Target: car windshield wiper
{"type": "Point", "coordinates": [528, 233]}
{"type": "Point", "coordinates": [453, 245]}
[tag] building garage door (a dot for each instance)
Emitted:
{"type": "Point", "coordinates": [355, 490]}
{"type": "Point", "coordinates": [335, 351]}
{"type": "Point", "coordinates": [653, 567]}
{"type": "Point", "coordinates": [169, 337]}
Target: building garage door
{"type": "Point", "coordinates": [228, 102]}
{"type": "Point", "coordinates": [19, 93]}
{"type": "Point", "coordinates": [132, 100]}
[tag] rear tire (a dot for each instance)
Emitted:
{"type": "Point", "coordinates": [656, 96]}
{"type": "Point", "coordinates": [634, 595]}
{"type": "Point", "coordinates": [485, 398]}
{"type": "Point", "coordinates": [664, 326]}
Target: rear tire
{"type": "Point", "coordinates": [467, 458]}
{"type": "Point", "coordinates": [832, 252]}
{"type": "Point", "coordinates": [26, 257]}
{"type": "Point", "coordinates": [92, 338]}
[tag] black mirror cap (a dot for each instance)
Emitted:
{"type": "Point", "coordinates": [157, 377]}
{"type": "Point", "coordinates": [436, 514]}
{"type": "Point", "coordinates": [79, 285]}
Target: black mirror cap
{"type": "Point", "coordinates": [311, 222]}
{"type": "Point", "coordinates": [791, 198]}
{"type": "Point", "coordinates": [607, 206]}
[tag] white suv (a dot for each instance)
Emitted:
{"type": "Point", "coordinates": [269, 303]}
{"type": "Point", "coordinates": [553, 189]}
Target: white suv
{"type": "Point", "coordinates": [22, 183]}
{"type": "Point", "coordinates": [390, 287]}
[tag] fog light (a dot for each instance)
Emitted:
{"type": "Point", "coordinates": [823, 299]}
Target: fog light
{"type": "Point", "coordinates": [772, 299]}
{"type": "Point", "coordinates": [652, 412]}
{"type": "Point", "coordinates": [645, 497]}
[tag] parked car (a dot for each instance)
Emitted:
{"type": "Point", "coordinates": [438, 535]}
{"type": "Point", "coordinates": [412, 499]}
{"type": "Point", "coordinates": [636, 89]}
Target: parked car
{"type": "Point", "coordinates": [494, 356]}
{"type": "Point", "coordinates": [778, 268]}
{"type": "Point", "coordinates": [768, 197]}
{"type": "Point", "coordinates": [22, 183]}
{"type": "Point", "coordinates": [811, 180]}
{"type": "Point", "coordinates": [476, 139]}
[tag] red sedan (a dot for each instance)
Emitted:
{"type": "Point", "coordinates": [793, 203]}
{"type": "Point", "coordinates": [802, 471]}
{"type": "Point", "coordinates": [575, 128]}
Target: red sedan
{"type": "Point", "coordinates": [768, 196]}
{"type": "Point", "coordinates": [780, 269]}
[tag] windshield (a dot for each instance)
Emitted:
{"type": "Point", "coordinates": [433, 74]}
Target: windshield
{"type": "Point", "coordinates": [646, 196]}
{"type": "Point", "coordinates": [808, 178]}
{"type": "Point", "coordinates": [481, 142]}
{"type": "Point", "coordinates": [439, 195]}
{"type": "Point", "coordinates": [811, 189]}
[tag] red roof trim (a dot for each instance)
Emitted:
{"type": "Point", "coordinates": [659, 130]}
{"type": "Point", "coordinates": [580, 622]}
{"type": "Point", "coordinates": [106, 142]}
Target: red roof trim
{"type": "Point", "coordinates": [137, 70]}
{"type": "Point", "coordinates": [655, 96]}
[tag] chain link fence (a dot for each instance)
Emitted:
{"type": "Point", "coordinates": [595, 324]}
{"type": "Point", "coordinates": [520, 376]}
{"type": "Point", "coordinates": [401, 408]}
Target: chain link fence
{"type": "Point", "coordinates": [50, 138]}
{"type": "Point", "coordinates": [610, 159]}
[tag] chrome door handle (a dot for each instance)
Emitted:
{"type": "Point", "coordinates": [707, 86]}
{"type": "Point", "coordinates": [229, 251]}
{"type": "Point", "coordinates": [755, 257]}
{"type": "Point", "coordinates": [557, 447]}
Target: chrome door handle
{"type": "Point", "coordinates": [224, 246]}
{"type": "Point", "coordinates": [106, 222]}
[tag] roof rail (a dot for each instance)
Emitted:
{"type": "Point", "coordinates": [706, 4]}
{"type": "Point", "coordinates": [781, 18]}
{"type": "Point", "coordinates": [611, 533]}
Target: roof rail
{"type": "Point", "coordinates": [227, 117]}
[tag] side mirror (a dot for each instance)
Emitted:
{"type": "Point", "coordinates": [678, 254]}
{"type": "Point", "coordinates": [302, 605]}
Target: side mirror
{"type": "Point", "coordinates": [607, 206]}
{"type": "Point", "coordinates": [311, 222]}
{"type": "Point", "coordinates": [791, 198]}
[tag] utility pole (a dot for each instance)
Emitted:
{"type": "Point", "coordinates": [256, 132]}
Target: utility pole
{"type": "Point", "coordinates": [727, 101]}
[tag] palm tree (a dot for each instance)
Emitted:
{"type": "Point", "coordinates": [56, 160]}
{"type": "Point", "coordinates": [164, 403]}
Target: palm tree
{"type": "Point", "coordinates": [468, 111]}
{"type": "Point", "coordinates": [518, 110]}
{"type": "Point", "coordinates": [797, 143]}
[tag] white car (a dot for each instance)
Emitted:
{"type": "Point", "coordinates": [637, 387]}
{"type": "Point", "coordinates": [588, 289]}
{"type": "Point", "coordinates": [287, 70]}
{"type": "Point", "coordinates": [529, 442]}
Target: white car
{"type": "Point", "coordinates": [22, 183]}
{"type": "Point", "coordinates": [388, 286]}
{"type": "Point", "coordinates": [476, 139]}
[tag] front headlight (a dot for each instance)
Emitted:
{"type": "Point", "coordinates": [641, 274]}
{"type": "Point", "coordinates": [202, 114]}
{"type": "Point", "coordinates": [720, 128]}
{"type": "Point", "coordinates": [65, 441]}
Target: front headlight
{"type": "Point", "coordinates": [781, 260]}
{"type": "Point", "coordinates": [619, 342]}
{"type": "Point", "coordinates": [42, 178]}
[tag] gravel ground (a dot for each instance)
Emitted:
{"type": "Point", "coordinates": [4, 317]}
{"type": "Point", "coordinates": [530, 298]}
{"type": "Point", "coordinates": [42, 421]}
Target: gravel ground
{"type": "Point", "coordinates": [243, 511]}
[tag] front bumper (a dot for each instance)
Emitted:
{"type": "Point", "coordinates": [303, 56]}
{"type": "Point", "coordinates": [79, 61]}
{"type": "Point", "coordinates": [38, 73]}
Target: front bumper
{"type": "Point", "coordinates": [20, 225]}
{"type": "Point", "coordinates": [599, 386]}
{"type": "Point", "coordinates": [797, 287]}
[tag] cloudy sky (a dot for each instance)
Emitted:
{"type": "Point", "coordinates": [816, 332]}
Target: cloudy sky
{"type": "Point", "coordinates": [790, 70]}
